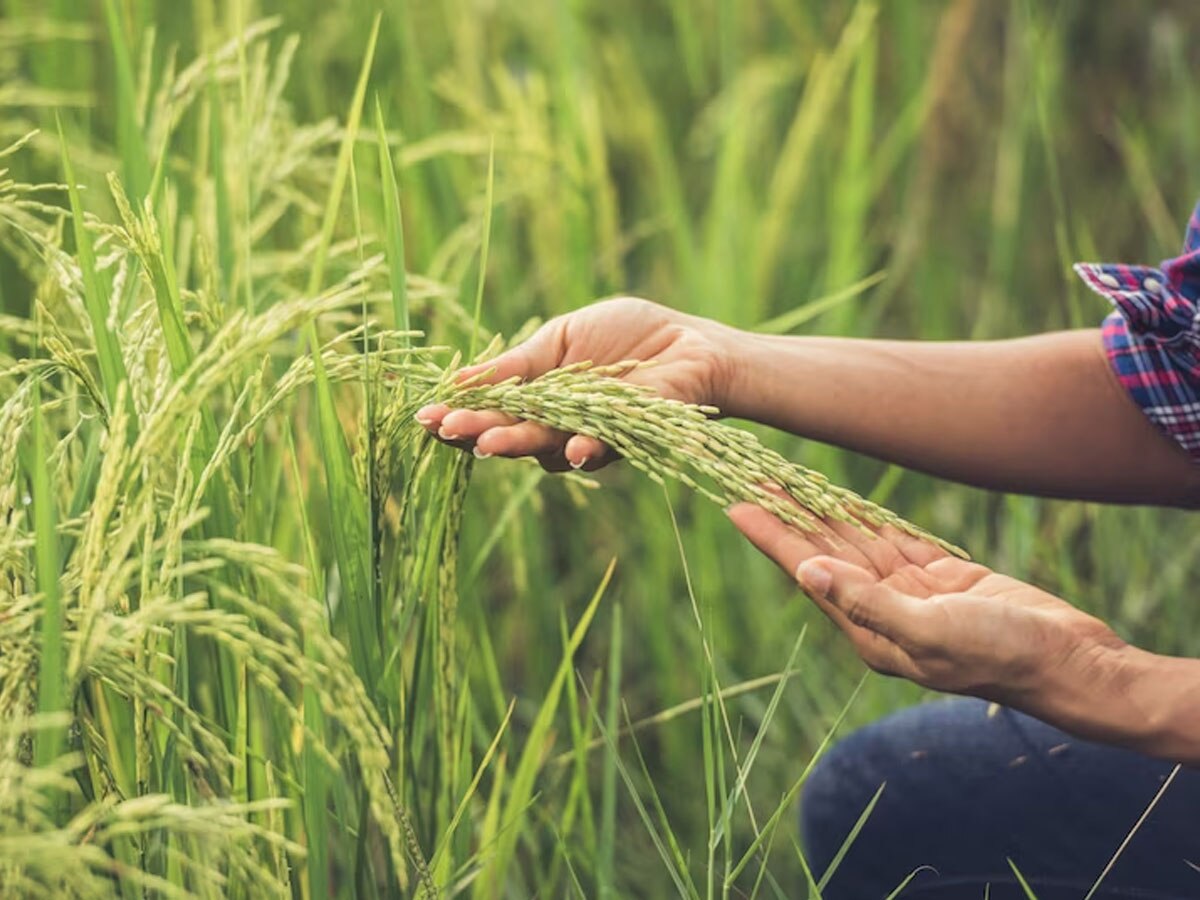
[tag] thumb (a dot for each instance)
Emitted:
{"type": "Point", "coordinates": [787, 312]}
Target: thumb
{"type": "Point", "coordinates": [537, 355]}
{"type": "Point", "coordinates": [862, 598]}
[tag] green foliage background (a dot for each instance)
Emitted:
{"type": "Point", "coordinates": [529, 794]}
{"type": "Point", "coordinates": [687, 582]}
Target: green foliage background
{"type": "Point", "coordinates": [736, 160]}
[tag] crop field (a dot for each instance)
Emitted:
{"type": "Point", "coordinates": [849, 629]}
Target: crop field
{"type": "Point", "coordinates": [261, 636]}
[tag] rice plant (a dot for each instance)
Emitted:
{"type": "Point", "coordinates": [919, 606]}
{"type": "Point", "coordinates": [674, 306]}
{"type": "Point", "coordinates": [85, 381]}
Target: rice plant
{"type": "Point", "coordinates": [259, 635]}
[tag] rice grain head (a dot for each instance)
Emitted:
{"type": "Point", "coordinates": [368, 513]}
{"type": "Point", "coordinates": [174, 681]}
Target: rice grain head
{"type": "Point", "coordinates": [670, 439]}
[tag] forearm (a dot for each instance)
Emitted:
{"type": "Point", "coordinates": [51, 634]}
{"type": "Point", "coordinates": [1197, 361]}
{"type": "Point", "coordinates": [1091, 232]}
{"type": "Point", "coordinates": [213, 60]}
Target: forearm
{"type": "Point", "coordinates": [1126, 697]}
{"type": "Point", "coordinates": [1041, 415]}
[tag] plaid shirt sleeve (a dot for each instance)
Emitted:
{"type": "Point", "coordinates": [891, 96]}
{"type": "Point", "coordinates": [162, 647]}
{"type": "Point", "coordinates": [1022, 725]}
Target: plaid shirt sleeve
{"type": "Point", "coordinates": [1153, 337]}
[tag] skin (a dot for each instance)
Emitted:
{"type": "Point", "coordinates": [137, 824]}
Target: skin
{"type": "Point", "coordinates": [1041, 415]}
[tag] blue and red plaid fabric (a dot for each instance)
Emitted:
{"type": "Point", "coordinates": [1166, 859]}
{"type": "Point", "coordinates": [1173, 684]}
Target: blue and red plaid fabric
{"type": "Point", "coordinates": [1153, 337]}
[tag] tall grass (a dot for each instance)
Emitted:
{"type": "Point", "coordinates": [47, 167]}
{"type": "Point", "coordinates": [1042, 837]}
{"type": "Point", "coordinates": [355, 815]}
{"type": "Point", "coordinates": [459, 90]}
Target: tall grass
{"type": "Point", "coordinates": [257, 637]}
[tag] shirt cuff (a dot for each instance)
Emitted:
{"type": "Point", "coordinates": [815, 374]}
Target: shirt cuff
{"type": "Point", "coordinates": [1152, 340]}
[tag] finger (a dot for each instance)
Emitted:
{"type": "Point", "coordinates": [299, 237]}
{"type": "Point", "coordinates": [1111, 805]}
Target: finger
{"type": "Point", "coordinates": [790, 549]}
{"type": "Point", "coordinates": [918, 551]}
{"type": "Point", "coordinates": [587, 453]}
{"type": "Point", "coordinates": [795, 553]}
{"type": "Point", "coordinates": [542, 352]}
{"type": "Point", "coordinates": [469, 424]}
{"type": "Point", "coordinates": [880, 653]}
{"type": "Point", "coordinates": [522, 439]}
{"type": "Point", "coordinates": [866, 602]}
{"type": "Point", "coordinates": [430, 417]}
{"type": "Point", "coordinates": [880, 554]}
{"type": "Point", "coordinates": [824, 535]}
{"type": "Point", "coordinates": [782, 543]}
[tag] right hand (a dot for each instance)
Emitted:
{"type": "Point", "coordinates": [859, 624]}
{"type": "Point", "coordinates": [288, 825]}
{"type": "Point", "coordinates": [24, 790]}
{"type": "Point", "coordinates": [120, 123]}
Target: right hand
{"type": "Point", "coordinates": [692, 359]}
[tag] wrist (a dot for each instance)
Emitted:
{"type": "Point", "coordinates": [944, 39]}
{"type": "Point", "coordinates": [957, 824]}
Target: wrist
{"type": "Point", "coordinates": [1164, 694]}
{"type": "Point", "coordinates": [726, 350]}
{"type": "Point", "coordinates": [1115, 693]}
{"type": "Point", "coordinates": [744, 356]}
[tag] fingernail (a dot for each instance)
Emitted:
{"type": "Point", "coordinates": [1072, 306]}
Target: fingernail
{"type": "Point", "coordinates": [447, 435]}
{"type": "Point", "coordinates": [424, 418]}
{"type": "Point", "coordinates": [814, 578]}
{"type": "Point", "coordinates": [479, 454]}
{"type": "Point", "coordinates": [582, 462]}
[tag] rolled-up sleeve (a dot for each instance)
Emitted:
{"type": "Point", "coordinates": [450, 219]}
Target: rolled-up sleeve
{"type": "Point", "coordinates": [1152, 338]}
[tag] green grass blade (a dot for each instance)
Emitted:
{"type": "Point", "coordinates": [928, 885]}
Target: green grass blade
{"type": "Point", "coordinates": [316, 787]}
{"type": "Point", "coordinates": [351, 533]}
{"type": "Point", "coordinates": [607, 839]}
{"type": "Point", "coordinates": [108, 352]}
{"type": "Point", "coordinates": [708, 750]}
{"type": "Point", "coordinates": [52, 688]}
{"type": "Point", "coordinates": [521, 493]}
{"type": "Point", "coordinates": [350, 526]}
{"type": "Point", "coordinates": [393, 228]}
{"type": "Point", "coordinates": [680, 877]}
{"type": "Point", "coordinates": [136, 162]}
{"type": "Point", "coordinates": [752, 754]}
{"type": "Point", "coordinates": [850, 196]}
{"type": "Point", "coordinates": [484, 247]}
{"type": "Point", "coordinates": [226, 252]}
{"type": "Point", "coordinates": [1029, 894]}
{"type": "Point", "coordinates": [908, 879]}
{"type": "Point", "coordinates": [439, 864]}
{"type": "Point", "coordinates": [850, 839]}
{"type": "Point", "coordinates": [794, 318]}
{"type": "Point", "coordinates": [814, 892]}
{"type": "Point", "coordinates": [170, 310]}
{"type": "Point", "coordinates": [785, 805]}
{"type": "Point", "coordinates": [791, 175]}
{"type": "Point", "coordinates": [523, 778]}
{"type": "Point", "coordinates": [677, 854]}
{"type": "Point", "coordinates": [341, 172]}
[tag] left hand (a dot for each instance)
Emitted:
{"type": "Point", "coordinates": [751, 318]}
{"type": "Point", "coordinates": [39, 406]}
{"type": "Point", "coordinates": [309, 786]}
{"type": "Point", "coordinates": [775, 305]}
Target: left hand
{"type": "Point", "coordinates": [914, 611]}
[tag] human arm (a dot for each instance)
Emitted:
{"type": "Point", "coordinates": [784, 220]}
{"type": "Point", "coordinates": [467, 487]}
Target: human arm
{"type": "Point", "coordinates": [1041, 415]}
{"type": "Point", "coordinates": [1038, 415]}
{"type": "Point", "coordinates": [913, 611]}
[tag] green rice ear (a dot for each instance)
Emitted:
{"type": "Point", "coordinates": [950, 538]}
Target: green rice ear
{"type": "Point", "coordinates": [668, 439]}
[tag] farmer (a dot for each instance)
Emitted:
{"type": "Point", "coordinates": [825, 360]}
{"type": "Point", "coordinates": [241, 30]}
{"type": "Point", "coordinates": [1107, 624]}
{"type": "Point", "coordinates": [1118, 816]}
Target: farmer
{"type": "Point", "coordinates": [1067, 734]}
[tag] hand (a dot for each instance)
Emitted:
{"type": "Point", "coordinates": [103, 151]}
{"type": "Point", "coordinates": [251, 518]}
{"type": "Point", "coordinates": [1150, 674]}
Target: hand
{"type": "Point", "coordinates": [691, 359]}
{"type": "Point", "coordinates": [914, 611]}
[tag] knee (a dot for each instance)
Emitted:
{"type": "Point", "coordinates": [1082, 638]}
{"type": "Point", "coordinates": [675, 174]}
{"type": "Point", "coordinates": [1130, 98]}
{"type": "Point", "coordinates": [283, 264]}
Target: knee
{"type": "Point", "coordinates": [896, 751]}
{"type": "Point", "coordinates": [834, 796]}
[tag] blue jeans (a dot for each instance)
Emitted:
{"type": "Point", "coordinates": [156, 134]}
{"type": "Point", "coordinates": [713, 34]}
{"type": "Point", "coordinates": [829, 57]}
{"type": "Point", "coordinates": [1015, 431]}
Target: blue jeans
{"type": "Point", "coordinates": [965, 792]}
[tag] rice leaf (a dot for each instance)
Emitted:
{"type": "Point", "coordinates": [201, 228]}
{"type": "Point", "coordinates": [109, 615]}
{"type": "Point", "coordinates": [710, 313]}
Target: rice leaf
{"type": "Point", "coordinates": [680, 877]}
{"type": "Point", "coordinates": [439, 864]}
{"type": "Point", "coordinates": [350, 525]}
{"type": "Point", "coordinates": [1028, 891]}
{"type": "Point", "coordinates": [393, 228]}
{"type": "Point", "coordinates": [607, 839]}
{"type": "Point", "coordinates": [108, 353]}
{"type": "Point", "coordinates": [52, 687]}
{"type": "Point", "coordinates": [520, 792]}
{"type": "Point", "coordinates": [484, 246]}
{"type": "Point", "coordinates": [850, 839]}
{"type": "Point", "coordinates": [132, 147]}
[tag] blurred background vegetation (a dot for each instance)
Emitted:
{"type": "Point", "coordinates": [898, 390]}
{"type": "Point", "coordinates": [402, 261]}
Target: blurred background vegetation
{"type": "Point", "coordinates": [732, 159]}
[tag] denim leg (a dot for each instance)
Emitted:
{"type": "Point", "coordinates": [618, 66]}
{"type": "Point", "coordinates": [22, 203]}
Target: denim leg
{"type": "Point", "coordinates": [967, 790]}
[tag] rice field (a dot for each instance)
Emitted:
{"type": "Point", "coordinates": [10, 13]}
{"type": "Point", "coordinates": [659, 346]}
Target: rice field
{"type": "Point", "coordinates": [261, 636]}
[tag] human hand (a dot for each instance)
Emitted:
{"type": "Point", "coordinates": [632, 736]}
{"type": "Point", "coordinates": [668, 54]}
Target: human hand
{"type": "Point", "coordinates": [691, 356]}
{"type": "Point", "coordinates": [914, 611]}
